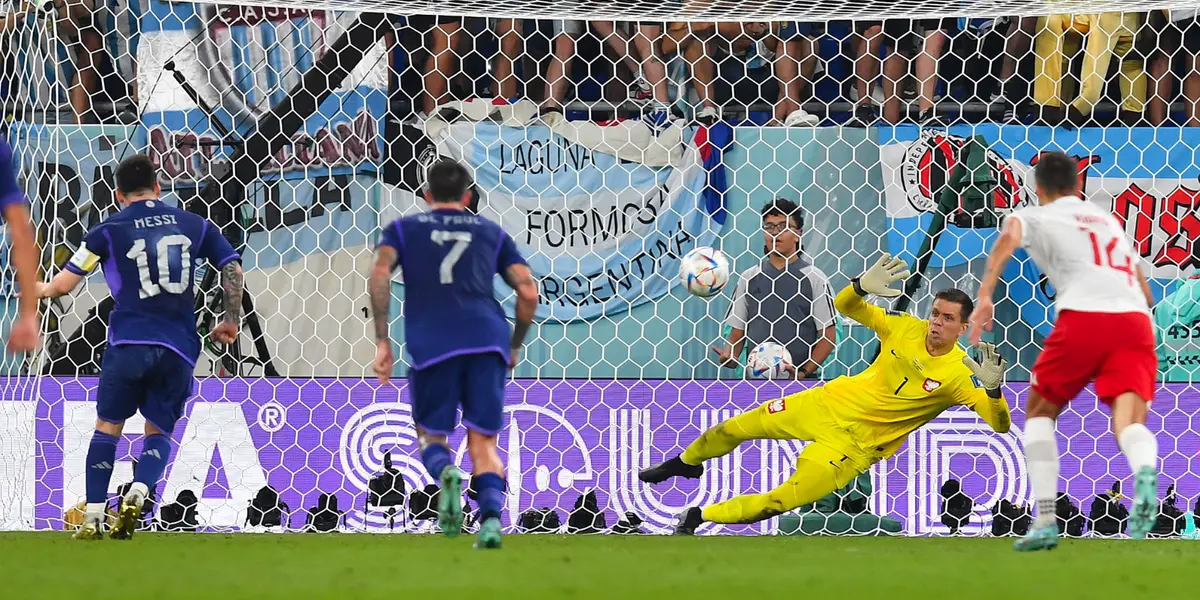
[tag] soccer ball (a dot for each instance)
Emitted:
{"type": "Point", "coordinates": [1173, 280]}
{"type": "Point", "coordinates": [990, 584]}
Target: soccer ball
{"type": "Point", "coordinates": [769, 361]}
{"type": "Point", "coordinates": [704, 271]}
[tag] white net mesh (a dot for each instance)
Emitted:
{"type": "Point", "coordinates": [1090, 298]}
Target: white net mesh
{"type": "Point", "coordinates": [620, 146]}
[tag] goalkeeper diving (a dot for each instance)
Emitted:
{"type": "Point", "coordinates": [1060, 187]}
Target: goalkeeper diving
{"type": "Point", "coordinates": [855, 421]}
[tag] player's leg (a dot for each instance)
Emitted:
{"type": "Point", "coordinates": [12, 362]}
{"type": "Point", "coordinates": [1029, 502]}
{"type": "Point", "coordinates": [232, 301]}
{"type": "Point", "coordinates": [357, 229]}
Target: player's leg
{"type": "Point", "coordinates": [1127, 378]}
{"type": "Point", "coordinates": [1070, 359]}
{"type": "Point", "coordinates": [820, 470]}
{"type": "Point", "coordinates": [1041, 458]}
{"type": "Point", "coordinates": [167, 384]}
{"type": "Point", "coordinates": [117, 399]}
{"type": "Point", "coordinates": [483, 416]}
{"type": "Point", "coordinates": [779, 419]}
{"type": "Point", "coordinates": [434, 393]}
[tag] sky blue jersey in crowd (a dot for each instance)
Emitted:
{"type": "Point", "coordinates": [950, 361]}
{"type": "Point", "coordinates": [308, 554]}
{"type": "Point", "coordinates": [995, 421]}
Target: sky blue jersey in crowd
{"type": "Point", "coordinates": [148, 251]}
{"type": "Point", "coordinates": [450, 259]}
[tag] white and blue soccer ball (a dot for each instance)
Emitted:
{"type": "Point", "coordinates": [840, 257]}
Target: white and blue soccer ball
{"type": "Point", "coordinates": [769, 361]}
{"type": "Point", "coordinates": [704, 271]}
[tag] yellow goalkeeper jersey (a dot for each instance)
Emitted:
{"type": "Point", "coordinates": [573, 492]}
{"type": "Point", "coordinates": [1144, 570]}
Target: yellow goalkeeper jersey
{"type": "Point", "coordinates": [905, 387]}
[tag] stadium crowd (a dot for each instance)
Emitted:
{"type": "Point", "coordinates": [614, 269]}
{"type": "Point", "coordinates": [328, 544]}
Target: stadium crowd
{"type": "Point", "coordinates": [1065, 69]}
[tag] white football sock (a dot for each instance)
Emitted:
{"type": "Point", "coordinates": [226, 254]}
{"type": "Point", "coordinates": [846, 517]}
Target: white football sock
{"type": "Point", "coordinates": [94, 511]}
{"type": "Point", "coordinates": [1041, 457]}
{"type": "Point", "coordinates": [140, 490]}
{"type": "Point", "coordinates": [1139, 446]}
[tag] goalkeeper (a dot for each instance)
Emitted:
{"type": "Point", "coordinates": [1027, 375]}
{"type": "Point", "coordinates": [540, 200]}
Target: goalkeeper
{"type": "Point", "coordinates": [855, 421]}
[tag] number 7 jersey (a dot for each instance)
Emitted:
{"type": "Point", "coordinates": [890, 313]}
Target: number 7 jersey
{"type": "Point", "coordinates": [148, 252]}
{"type": "Point", "coordinates": [1085, 254]}
{"type": "Point", "coordinates": [450, 259]}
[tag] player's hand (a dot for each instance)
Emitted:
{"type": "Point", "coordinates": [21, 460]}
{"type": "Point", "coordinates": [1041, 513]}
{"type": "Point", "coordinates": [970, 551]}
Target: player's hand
{"type": "Point", "coordinates": [514, 357]}
{"type": "Point", "coordinates": [25, 333]}
{"type": "Point", "coordinates": [880, 277]}
{"type": "Point", "coordinates": [981, 319]}
{"type": "Point", "coordinates": [383, 361]}
{"type": "Point", "coordinates": [989, 370]}
{"type": "Point", "coordinates": [225, 332]}
{"type": "Point", "coordinates": [725, 357]}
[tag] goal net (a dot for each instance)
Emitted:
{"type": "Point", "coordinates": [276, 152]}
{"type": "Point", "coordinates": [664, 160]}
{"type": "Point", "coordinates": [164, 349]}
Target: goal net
{"type": "Point", "coordinates": [607, 149]}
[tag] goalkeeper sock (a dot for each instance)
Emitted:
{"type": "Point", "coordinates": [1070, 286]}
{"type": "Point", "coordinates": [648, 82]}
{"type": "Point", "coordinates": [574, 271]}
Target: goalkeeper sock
{"type": "Point", "coordinates": [436, 458]}
{"type": "Point", "coordinates": [490, 487]}
{"type": "Point", "coordinates": [155, 452]}
{"type": "Point", "coordinates": [1139, 446]}
{"type": "Point", "coordinates": [102, 453]}
{"type": "Point", "coordinates": [1041, 457]}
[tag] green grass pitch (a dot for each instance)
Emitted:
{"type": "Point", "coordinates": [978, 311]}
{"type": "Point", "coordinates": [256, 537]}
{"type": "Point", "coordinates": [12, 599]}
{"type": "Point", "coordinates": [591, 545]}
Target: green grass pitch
{"type": "Point", "coordinates": [229, 567]}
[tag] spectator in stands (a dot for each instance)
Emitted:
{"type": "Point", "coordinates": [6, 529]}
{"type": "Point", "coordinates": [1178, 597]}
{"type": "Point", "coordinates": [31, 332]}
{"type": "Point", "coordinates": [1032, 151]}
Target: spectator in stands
{"type": "Point", "coordinates": [1106, 36]}
{"type": "Point", "coordinates": [1179, 38]}
{"type": "Point", "coordinates": [701, 45]}
{"type": "Point", "coordinates": [866, 43]}
{"type": "Point", "coordinates": [648, 42]}
{"type": "Point", "coordinates": [1014, 90]}
{"type": "Point", "coordinates": [558, 75]}
{"type": "Point", "coordinates": [79, 29]}
{"type": "Point", "coordinates": [784, 299]}
{"type": "Point", "coordinates": [795, 63]}
{"type": "Point", "coordinates": [508, 31]}
{"type": "Point", "coordinates": [439, 35]}
{"type": "Point", "coordinates": [11, 15]}
{"type": "Point", "coordinates": [933, 33]}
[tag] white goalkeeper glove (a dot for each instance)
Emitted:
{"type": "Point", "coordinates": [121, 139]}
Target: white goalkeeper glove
{"type": "Point", "coordinates": [989, 370]}
{"type": "Point", "coordinates": [879, 278]}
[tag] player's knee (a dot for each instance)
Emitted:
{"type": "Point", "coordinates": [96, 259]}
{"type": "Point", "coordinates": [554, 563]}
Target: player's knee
{"type": "Point", "coordinates": [110, 428]}
{"type": "Point", "coordinates": [1038, 406]}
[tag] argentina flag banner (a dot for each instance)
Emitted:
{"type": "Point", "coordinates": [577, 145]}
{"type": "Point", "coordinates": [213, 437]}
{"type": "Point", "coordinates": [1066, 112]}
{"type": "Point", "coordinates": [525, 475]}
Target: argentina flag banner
{"type": "Point", "coordinates": [602, 235]}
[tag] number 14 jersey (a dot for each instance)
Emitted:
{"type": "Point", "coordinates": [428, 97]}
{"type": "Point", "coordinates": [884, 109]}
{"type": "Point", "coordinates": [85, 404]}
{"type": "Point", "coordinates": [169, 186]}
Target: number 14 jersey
{"type": "Point", "coordinates": [1084, 252]}
{"type": "Point", "coordinates": [148, 252]}
{"type": "Point", "coordinates": [449, 259]}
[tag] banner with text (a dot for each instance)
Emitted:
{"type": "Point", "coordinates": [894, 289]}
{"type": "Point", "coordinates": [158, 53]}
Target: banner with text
{"type": "Point", "coordinates": [600, 234]}
{"type": "Point", "coordinates": [561, 439]}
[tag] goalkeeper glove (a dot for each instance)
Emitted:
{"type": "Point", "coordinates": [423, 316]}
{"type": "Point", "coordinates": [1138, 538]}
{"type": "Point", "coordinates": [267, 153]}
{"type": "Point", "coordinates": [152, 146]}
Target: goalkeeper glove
{"type": "Point", "coordinates": [989, 370]}
{"type": "Point", "coordinates": [879, 278]}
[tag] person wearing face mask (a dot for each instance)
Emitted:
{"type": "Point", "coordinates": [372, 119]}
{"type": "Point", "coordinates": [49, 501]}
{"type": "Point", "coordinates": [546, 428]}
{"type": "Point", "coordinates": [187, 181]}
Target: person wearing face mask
{"type": "Point", "coordinates": [784, 299]}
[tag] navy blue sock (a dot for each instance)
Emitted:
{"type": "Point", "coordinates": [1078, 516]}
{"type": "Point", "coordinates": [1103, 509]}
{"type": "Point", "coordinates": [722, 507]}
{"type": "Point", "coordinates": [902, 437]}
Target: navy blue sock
{"type": "Point", "coordinates": [490, 487]}
{"type": "Point", "coordinates": [435, 457]}
{"type": "Point", "coordinates": [155, 451]}
{"type": "Point", "coordinates": [102, 453]}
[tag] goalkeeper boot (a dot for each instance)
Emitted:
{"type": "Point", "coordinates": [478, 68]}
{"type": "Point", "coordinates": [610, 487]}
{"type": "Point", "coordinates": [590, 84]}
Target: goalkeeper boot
{"type": "Point", "coordinates": [91, 530]}
{"type": "Point", "coordinates": [489, 535]}
{"type": "Point", "coordinates": [689, 520]}
{"type": "Point", "coordinates": [1039, 538]}
{"type": "Point", "coordinates": [1145, 503]}
{"type": "Point", "coordinates": [128, 515]}
{"type": "Point", "coordinates": [450, 514]}
{"type": "Point", "coordinates": [672, 468]}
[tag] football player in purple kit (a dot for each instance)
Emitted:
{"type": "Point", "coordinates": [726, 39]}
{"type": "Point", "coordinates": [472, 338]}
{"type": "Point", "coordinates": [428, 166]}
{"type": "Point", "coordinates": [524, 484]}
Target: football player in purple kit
{"type": "Point", "coordinates": [457, 334]}
{"type": "Point", "coordinates": [148, 251]}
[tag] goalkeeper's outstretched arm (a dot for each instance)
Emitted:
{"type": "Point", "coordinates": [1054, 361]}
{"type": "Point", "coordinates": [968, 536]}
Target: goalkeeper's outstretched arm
{"type": "Point", "coordinates": [877, 280]}
{"type": "Point", "coordinates": [989, 401]}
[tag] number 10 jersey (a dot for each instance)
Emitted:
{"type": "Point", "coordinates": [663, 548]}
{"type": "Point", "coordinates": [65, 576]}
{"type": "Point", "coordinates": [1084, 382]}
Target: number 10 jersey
{"type": "Point", "coordinates": [148, 252]}
{"type": "Point", "coordinates": [1085, 254]}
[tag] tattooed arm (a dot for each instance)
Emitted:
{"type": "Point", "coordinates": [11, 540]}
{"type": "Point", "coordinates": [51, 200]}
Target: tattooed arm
{"type": "Point", "coordinates": [232, 281]}
{"type": "Point", "coordinates": [380, 289]}
{"type": "Point", "coordinates": [231, 293]}
{"type": "Point", "coordinates": [520, 279]}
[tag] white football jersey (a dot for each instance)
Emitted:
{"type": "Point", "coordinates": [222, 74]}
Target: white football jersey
{"type": "Point", "coordinates": [1085, 254]}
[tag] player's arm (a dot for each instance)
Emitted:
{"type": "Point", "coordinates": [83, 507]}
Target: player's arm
{"type": "Point", "coordinates": [1002, 251]}
{"type": "Point", "coordinates": [988, 401]}
{"type": "Point", "coordinates": [729, 355]}
{"type": "Point", "coordinates": [91, 252]}
{"type": "Point", "coordinates": [822, 313]}
{"type": "Point", "coordinates": [515, 271]}
{"type": "Point", "coordinates": [24, 254]}
{"type": "Point", "coordinates": [877, 280]}
{"type": "Point", "coordinates": [379, 288]}
{"type": "Point", "coordinates": [217, 250]}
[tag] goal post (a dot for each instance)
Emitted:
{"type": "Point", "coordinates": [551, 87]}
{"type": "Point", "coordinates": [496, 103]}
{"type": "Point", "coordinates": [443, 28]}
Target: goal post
{"type": "Point", "coordinates": [306, 131]}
